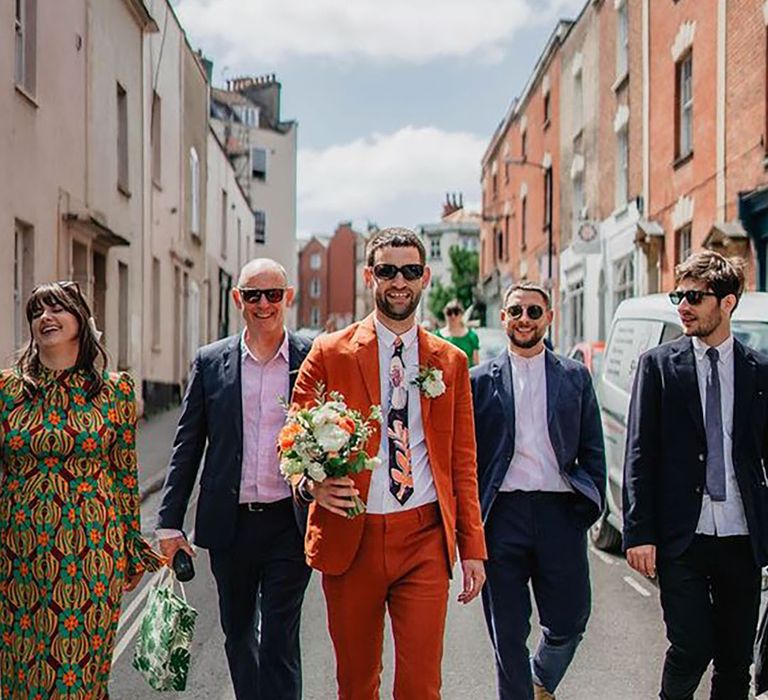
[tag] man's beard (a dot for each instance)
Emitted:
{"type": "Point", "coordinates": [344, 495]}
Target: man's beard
{"type": "Point", "coordinates": [386, 308]}
{"type": "Point", "coordinates": [527, 344]}
{"type": "Point", "coordinates": [705, 326]}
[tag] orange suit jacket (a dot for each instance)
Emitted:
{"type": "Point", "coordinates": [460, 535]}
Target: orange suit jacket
{"type": "Point", "coordinates": [348, 362]}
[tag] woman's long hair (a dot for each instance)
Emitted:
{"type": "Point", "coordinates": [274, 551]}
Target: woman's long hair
{"type": "Point", "coordinates": [91, 357]}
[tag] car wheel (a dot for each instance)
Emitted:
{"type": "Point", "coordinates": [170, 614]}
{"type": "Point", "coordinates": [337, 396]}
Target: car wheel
{"type": "Point", "coordinates": [603, 535]}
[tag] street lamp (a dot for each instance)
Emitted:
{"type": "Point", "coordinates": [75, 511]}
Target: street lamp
{"type": "Point", "coordinates": [548, 185]}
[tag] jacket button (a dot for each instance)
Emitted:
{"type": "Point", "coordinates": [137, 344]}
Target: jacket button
{"type": "Point", "coordinates": [233, 492]}
{"type": "Point", "coordinates": [701, 457]}
{"type": "Point", "coordinates": [698, 489]}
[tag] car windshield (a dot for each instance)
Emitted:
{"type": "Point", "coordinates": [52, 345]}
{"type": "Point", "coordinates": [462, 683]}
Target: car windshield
{"type": "Point", "coordinates": [754, 334]}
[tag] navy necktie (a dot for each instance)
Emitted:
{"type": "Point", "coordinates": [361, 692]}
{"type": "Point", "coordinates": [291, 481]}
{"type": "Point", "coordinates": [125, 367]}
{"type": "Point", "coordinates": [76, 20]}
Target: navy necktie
{"type": "Point", "coordinates": [714, 429]}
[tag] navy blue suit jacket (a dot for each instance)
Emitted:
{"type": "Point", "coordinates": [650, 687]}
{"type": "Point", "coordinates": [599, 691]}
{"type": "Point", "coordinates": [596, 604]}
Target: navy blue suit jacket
{"type": "Point", "coordinates": [666, 452]}
{"type": "Point", "coordinates": [211, 423]}
{"type": "Point", "coordinates": [573, 422]}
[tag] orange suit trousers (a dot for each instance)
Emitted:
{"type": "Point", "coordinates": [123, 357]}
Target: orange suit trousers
{"type": "Point", "coordinates": [401, 566]}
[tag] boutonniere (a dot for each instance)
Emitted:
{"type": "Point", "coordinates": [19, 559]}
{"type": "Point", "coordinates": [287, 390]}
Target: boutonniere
{"type": "Point", "coordinates": [430, 382]}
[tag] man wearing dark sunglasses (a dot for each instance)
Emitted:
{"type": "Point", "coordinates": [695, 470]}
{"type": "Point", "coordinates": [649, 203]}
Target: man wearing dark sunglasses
{"type": "Point", "coordinates": [541, 471]}
{"type": "Point", "coordinates": [421, 500]}
{"type": "Point", "coordinates": [695, 491]}
{"type": "Point", "coordinates": [246, 516]}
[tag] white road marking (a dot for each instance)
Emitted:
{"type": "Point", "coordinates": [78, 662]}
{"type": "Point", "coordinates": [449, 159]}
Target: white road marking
{"type": "Point", "coordinates": [602, 556]}
{"type": "Point", "coordinates": [634, 584]}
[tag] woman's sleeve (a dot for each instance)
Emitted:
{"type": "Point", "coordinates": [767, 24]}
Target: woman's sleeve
{"type": "Point", "coordinates": [139, 555]}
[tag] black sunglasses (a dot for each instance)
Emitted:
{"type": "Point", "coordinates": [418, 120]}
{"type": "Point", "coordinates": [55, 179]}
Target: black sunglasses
{"type": "Point", "coordinates": [384, 271]}
{"type": "Point", "coordinates": [453, 312]}
{"type": "Point", "coordinates": [534, 311]}
{"type": "Point", "coordinates": [693, 296]}
{"type": "Point", "coordinates": [251, 295]}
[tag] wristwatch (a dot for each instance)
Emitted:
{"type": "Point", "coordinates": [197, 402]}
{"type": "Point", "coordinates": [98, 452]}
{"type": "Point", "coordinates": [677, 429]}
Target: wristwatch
{"type": "Point", "coordinates": [304, 493]}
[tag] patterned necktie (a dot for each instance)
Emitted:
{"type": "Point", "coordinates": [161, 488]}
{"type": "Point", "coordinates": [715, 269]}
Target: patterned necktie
{"type": "Point", "coordinates": [400, 475]}
{"type": "Point", "coordinates": [714, 429]}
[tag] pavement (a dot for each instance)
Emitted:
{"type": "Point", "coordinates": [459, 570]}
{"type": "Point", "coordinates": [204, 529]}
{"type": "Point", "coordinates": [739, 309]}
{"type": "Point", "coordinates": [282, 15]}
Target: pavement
{"type": "Point", "coordinates": [154, 439]}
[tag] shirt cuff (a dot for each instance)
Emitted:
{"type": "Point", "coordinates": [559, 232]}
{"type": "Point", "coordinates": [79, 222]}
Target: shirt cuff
{"type": "Point", "coordinates": [166, 533]}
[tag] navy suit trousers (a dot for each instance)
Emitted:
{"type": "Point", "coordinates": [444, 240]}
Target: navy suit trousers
{"type": "Point", "coordinates": [261, 581]}
{"type": "Point", "coordinates": [536, 538]}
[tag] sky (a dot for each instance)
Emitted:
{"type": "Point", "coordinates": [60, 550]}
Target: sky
{"type": "Point", "coordinates": [396, 101]}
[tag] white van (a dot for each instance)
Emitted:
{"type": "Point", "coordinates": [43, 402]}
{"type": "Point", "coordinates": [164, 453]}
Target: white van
{"type": "Point", "coordinates": [638, 325]}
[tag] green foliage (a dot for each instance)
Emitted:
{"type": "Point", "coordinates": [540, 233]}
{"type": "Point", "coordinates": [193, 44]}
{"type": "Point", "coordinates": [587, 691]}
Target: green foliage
{"type": "Point", "coordinates": [464, 276]}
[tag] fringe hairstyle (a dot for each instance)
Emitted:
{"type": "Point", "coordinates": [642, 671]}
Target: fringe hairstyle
{"type": "Point", "coordinates": [92, 357]}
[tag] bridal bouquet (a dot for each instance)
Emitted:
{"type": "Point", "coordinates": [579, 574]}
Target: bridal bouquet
{"type": "Point", "coordinates": [327, 440]}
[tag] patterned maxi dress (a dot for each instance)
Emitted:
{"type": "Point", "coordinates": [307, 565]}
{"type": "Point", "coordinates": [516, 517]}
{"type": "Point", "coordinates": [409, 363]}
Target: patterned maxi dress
{"type": "Point", "coordinates": [69, 532]}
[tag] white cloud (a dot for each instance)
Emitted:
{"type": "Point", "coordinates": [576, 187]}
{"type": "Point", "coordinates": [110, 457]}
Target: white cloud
{"type": "Point", "coordinates": [400, 177]}
{"type": "Point", "coordinates": [242, 33]}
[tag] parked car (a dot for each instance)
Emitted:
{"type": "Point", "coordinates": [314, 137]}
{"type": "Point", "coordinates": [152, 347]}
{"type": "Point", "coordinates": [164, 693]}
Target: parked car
{"type": "Point", "coordinates": [589, 353]}
{"type": "Point", "coordinates": [492, 342]}
{"type": "Point", "coordinates": [638, 325]}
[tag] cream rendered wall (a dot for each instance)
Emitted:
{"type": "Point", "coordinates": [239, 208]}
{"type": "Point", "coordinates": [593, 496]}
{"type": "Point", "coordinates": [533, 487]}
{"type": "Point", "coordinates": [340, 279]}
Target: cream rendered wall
{"type": "Point", "coordinates": [115, 55]}
{"type": "Point", "coordinates": [277, 197]}
{"type": "Point", "coordinates": [221, 178]}
{"type": "Point", "coordinates": [41, 144]}
{"type": "Point", "coordinates": [163, 75]}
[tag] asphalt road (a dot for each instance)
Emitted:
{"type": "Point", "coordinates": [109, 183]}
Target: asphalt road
{"type": "Point", "coordinates": [620, 656]}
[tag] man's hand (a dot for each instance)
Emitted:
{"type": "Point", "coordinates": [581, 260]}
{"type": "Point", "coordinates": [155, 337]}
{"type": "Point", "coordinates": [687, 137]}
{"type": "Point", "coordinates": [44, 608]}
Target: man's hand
{"type": "Point", "coordinates": [643, 559]}
{"type": "Point", "coordinates": [132, 581]}
{"type": "Point", "coordinates": [335, 494]}
{"type": "Point", "coordinates": [474, 578]}
{"type": "Point", "coordinates": [170, 545]}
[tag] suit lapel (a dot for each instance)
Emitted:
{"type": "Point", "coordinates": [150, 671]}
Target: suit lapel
{"type": "Point", "coordinates": [295, 359]}
{"type": "Point", "coordinates": [231, 370]}
{"type": "Point", "coordinates": [554, 376]}
{"type": "Point", "coordinates": [744, 382]}
{"type": "Point", "coordinates": [684, 365]}
{"type": "Point", "coordinates": [429, 356]}
{"type": "Point", "coordinates": [367, 357]}
{"type": "Point", "coordinates": [501, 371]}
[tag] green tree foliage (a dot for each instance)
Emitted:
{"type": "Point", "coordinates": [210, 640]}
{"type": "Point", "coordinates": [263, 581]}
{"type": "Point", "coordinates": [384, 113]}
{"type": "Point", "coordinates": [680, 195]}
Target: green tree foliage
{"type": "Point", "coordinates": [464, 274]}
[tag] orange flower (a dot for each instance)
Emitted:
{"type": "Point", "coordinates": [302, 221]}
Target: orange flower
{"type": "Point", "coordinates": [43, 539]}
{"type": "Point", "coordinates": [95, 536]}
{"type": "Point", "coordinates": [69, 679]}
{"type": "Point", "coordinates": [89, 444]}
{"type": "Point", "coordinates": [347, 424]}
{"type": "Point", "coordinates": [79, 399]}
{"type": "Point", "coordinates": [71, 623]}
{"type": "Point", "coordinates": [16, 442]}
{"type": "Point", "coordinates": [84, 487]}
{"type": "Point", "coordinates": [96, 642]}
{"type": "Point", "coordinates": [72, 568]}
{"type": "Point", "coordinates": [26, 622]}
{"type": "Point", "coordinates": [129, 481]}
{"type": "Point", "coordinates": [287, 436]}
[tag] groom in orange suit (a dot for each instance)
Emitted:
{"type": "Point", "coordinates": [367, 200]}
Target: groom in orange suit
{"type": "Point", "coordinates": [422, 499]}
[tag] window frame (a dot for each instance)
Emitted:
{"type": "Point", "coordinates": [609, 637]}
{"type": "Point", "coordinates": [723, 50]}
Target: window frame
{"type": "Point", "coordinates": [684, 107]}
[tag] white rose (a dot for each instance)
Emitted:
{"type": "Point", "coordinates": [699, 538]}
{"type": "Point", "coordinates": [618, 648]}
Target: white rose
{"type": "Point", "coordinates": [434, 386]}
{"type": "Point", "coordinates": [372, 463]}
{"type": "Point", "coordinates": [331, 437]}
{"type": "Point", "coordinates": [315, 471]}
{"type": "Point", "coordinates": [325, 414]}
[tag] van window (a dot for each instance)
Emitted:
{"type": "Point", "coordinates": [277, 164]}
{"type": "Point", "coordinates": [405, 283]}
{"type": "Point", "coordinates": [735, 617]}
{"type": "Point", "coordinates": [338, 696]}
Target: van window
{"type": "Point", "coordinates": [629, 339]}
{"type": "Point", "coordinates": [753, 334]}
{"type": "Point", "coordinates": [670, 332]}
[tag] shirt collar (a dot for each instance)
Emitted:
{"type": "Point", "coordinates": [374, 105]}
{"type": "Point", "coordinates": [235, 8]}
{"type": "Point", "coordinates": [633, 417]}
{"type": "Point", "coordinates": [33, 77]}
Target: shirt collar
{"type": "Point", "coordinates": [521, 361]}
{"type": "Point", "coordinates": [282, 351]}
{"type": "Point", "coordinates": [387, 337]}
{"type": "Point", "coordinates": [725, 349]}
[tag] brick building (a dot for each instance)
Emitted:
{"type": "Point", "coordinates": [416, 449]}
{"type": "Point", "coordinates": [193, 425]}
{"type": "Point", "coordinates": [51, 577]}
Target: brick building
{"type": "Point", "coordinates": [520, 235]}
{"type": "Point", "coordinates": [330, 280]}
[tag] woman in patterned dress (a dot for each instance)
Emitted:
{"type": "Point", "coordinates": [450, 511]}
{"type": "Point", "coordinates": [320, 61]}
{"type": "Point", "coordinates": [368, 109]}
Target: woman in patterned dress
{"type": "Point", "coordinates": [70, 540]}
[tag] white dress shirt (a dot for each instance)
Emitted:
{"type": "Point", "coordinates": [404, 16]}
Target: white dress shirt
{"type": "Point", "coordinates": [722, 518]}
{"type": "Point", "coordinates": [534, 465]}
{"type": "Point", "coordinates": [380, 499]}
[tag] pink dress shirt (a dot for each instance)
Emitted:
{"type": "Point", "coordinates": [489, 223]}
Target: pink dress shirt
{"type": "Point", "coordinates": [262, 383]}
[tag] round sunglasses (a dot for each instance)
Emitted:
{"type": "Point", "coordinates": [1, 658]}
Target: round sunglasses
{"type": "Point", "coordinates": [534, 311]}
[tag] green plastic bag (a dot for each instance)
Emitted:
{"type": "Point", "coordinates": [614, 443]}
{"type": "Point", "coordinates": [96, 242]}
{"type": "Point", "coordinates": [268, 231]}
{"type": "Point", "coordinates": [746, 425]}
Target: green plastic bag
{"type": "Point", "coordinates": [161, 654]}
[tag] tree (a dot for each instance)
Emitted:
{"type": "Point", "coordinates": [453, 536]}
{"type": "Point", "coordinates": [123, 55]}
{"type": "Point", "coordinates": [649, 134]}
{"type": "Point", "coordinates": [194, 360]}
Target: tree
{"type": "Point", "coordinates": [464, 274]}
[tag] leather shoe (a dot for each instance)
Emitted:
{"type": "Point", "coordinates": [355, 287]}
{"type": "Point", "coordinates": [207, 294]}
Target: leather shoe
{"type": "Point", "coordinates": [541, 693]}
